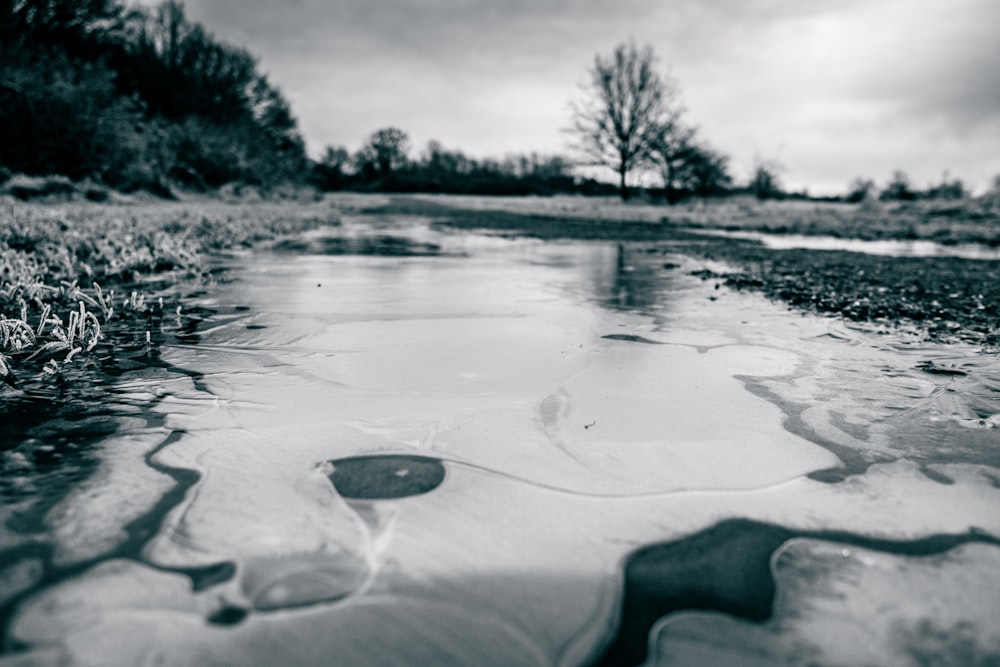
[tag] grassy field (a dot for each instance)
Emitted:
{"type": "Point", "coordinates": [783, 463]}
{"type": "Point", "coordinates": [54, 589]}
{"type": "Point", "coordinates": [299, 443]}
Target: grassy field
{"type": "Point", "coordinates": [947, 222]}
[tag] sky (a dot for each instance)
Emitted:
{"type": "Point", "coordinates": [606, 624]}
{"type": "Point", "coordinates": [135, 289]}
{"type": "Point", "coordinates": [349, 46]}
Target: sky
{"type": "Point", "coordinates": [827, 90]}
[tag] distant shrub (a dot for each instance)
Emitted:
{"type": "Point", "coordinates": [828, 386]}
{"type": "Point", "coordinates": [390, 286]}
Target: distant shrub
{"type": "Point", "coordinates": [860, 189]}
{"type": "Point", "coordinates": [765, 183]}
{"type": "Point", "coordinates": [27, 188]}
{"type": "Point", "coordinates": [899, 188]}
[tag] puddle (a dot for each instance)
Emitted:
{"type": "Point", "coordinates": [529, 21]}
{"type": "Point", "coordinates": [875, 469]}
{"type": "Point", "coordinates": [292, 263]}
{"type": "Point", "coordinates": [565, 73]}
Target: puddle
{"type": "Point", "coordinates": [396, 444]}
{"type": "Point", "coordinates": [891, 248]}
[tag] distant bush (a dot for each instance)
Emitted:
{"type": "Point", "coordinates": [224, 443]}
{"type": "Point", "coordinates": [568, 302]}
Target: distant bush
{"type": "Point", "coordinates": [860, 189]}
{"type": "Point", "coordinates": [765, 183]}
{"type": "Point", "coordinates": [27, 188]}
{"type": "Point", "coordinates": [898, 188]}
{"type": "Point", "coordinates": [383, 165]}
{"type": "Point", "coordinates": [946, 189]}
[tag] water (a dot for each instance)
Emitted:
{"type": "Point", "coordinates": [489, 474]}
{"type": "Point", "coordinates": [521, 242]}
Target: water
{"type": "Point", "coordinates": [887, 247]}
{"type": "Point", "coordinates": [394, 445]}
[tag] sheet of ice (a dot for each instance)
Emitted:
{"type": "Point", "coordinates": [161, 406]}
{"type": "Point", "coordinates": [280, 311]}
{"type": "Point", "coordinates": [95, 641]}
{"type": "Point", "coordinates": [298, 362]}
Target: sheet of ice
{"type": "Point", "coordinates": [515, 570]}
{"type": "Point", "coordinates": [891, 247]}
{"type": "Point", "coordinates": [563, 450]}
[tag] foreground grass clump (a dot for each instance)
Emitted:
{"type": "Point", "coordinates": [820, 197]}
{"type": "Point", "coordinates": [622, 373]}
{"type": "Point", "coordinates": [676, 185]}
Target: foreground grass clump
{"type": "Point", "coordinates": [85, 280]}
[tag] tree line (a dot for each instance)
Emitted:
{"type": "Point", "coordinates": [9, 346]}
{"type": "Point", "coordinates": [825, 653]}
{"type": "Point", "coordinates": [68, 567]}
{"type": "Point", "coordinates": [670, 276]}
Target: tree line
{"type": "Point", "coordinates": [384, 163]}
{"type": "Point", "coordinates": [135, 98]}
{"type": "Point", "coordinates": [900, 188]}
{"type": "Point", "coordinates": [143, 98]}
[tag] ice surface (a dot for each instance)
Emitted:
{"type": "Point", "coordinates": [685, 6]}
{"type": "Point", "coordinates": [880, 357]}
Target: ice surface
{"type": "Point", "coordinates": [448, 460]}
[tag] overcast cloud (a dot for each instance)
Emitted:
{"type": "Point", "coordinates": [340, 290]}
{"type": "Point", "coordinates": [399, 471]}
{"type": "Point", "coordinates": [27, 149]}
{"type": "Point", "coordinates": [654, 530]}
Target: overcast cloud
{"type": "Point", "coordinates": [831, 90]}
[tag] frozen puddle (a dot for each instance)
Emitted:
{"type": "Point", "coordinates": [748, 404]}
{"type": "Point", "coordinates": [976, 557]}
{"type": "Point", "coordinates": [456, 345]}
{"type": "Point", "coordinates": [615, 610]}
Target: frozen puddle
{"type": "Point", "coordinates": [406, 447]}
{"type": "Point", "coordinates": [888, 247]}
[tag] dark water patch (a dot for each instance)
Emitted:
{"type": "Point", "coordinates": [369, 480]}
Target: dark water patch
{"type": "Point", "coordinates": [386, 477]}
{"type": "Point", "coordinates": [193, 320]}
{"type": "Point", "coordinates": [50, 435]}
{"type": "Point", "coordinates": [933, 368]}
{"type": "Point", "coordinates": [256, 327]}
{"type": "Point", "coordinates": [138, 533]}
{"type": "Point", "coordinates": [955, 425]}
{"type": "Point", "coordinates": [382, 245]}
{"type": "Point", "coordinates": [727, 569]}
{"type": "Point", "coordinates": [228, 615]}
{"type": "Point", "coordinates": [48, 441]}
{"type": "Point", "coordinates": [936, 476]}
{"type": "Point", "coordinates": [52, 423]}
{"type": "Point", "coordinates": [632, 338]}
{"type": "Point", "coordinates": [857, 431]}
{"type": "Point", "coordinates": [206, 576]}
{"type": "Point", "coordinates": [853, 461]}
{"type": "Point", "coordinates": [143, 528]}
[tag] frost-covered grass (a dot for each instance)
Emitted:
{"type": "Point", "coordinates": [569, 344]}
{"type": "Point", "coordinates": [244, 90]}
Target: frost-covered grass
{"type": "Point", "coordinates": [80, 278]}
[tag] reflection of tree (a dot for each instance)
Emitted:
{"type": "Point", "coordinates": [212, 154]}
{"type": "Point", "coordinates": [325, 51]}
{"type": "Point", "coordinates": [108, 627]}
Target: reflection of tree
{"type": "Point", "coordinates": [634, 285]}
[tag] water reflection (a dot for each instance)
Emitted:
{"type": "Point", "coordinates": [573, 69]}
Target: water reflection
{"type": "Point", "coordinates": [888, 247]}
{"type": "Point", "coordinates": [638, 283]}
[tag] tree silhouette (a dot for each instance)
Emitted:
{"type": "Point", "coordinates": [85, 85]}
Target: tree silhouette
{"type": "Point", "coordinates": [329, 171]}
{"type": "Point", "coordinates": [899, 188]}
{"type": "Point", "coordinates": [623, 110]}
{"type": "Point", "coordinates": [765, 183]}
{"type": "Point", "coordinates": [386, 149]}
{"type": "Point", "coordinates": [706, 172]}
{"type": "Point", "coordinates": [673, 150]}
{"type": "Point", "coordinates": [860, 189]}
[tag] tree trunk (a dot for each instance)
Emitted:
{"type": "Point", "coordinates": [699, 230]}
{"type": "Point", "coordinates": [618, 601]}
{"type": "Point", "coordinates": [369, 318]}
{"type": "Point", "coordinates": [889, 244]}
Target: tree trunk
{"type": "Point", "coordinates": [622, 188]}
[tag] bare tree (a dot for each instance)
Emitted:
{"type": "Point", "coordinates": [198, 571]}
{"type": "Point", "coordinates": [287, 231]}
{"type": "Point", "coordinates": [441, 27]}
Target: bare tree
{"type": "Point", "coordinates": [623, 109]}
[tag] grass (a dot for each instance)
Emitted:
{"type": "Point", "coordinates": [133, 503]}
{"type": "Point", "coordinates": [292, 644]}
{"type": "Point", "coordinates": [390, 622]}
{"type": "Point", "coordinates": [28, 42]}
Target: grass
{"type": "Point", "coordinates": [949, 222]}
{"type": "Point", "coordinates": [78, 280]}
